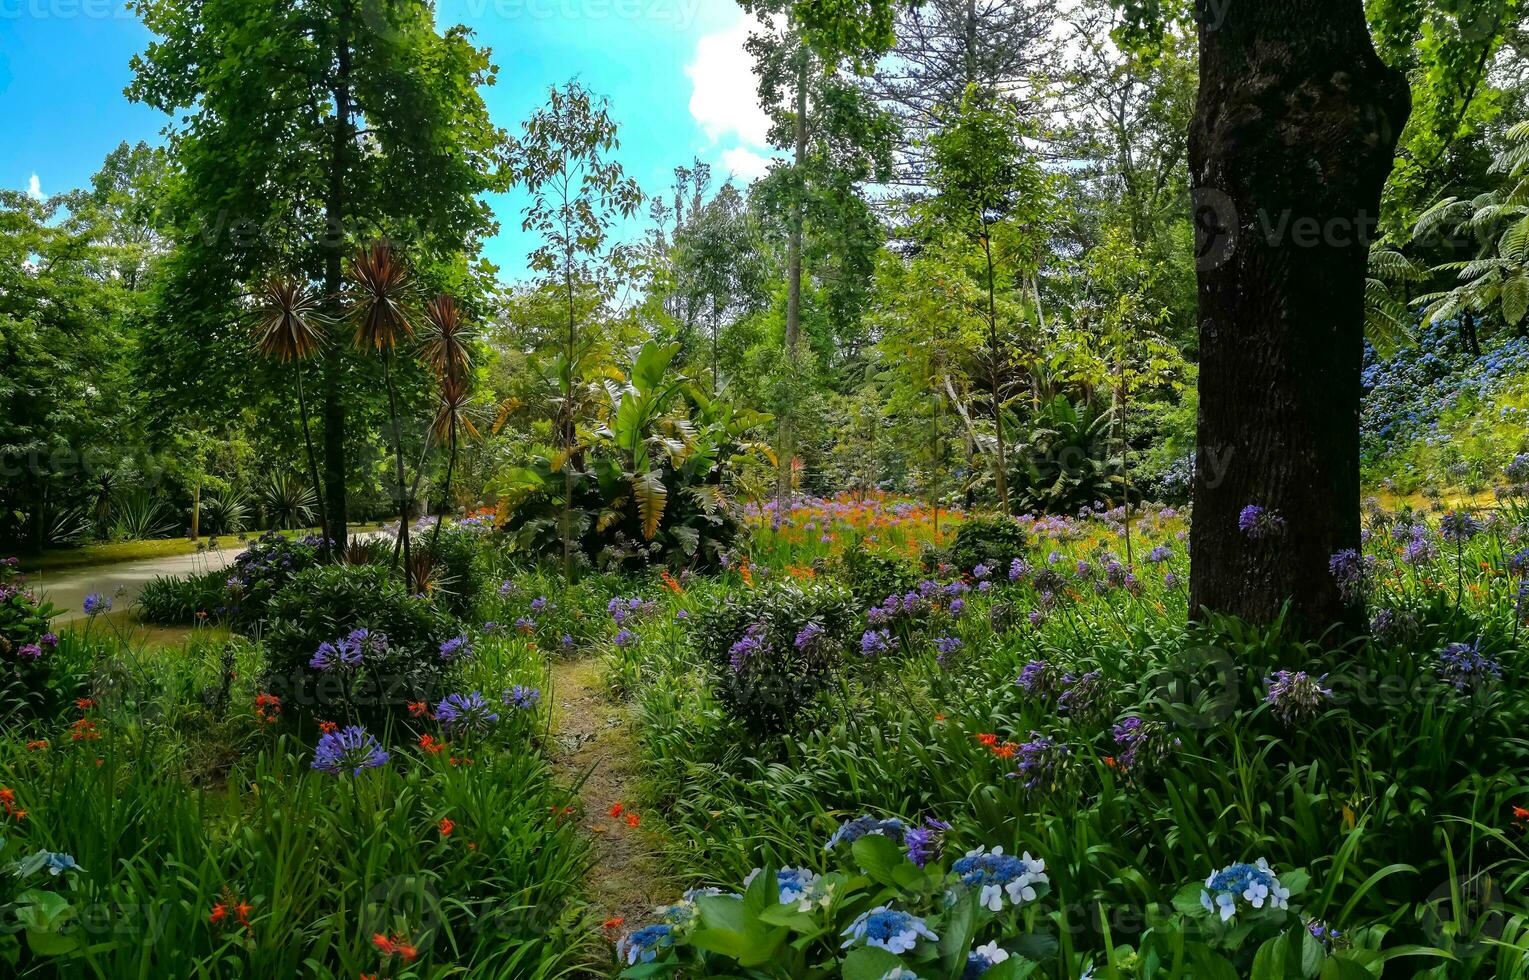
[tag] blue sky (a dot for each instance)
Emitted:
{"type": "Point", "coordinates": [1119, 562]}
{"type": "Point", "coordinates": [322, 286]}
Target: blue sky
{"type": "Point", "coordinates": [678, 80]}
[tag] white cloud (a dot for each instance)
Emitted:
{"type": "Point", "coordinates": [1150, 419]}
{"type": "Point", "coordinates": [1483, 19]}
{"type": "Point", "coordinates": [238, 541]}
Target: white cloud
{"type": "Point", "coordinates": [725, 94]}
{"type": "Point", "coordinates": [744, 163]}
{"type": "Point", "coordinates": [34, 188]}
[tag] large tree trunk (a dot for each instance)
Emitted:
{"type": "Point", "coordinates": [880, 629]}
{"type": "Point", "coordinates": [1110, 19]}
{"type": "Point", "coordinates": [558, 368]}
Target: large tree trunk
{"type": "Point", "coordinates": [794, 269]}
{"type": "Point", "coordinates": [1294, 136]}
{"type": "Point", "coordinates": [335, 227]}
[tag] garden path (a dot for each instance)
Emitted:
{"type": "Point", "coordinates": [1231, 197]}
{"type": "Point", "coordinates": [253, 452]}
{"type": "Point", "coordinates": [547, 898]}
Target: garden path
{"type": "Point", "coordinates": [593, 742]}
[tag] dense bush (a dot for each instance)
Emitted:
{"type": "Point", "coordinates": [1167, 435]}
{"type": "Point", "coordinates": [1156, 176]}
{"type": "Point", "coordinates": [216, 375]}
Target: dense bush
{"type": "Point", "coordinates": [27, 646]}
{"type": "Point", "coordinates": [995, 541]}
{"type": "Point", "coordinates": [1065, 459]}
{"type": "Point", "coordinates": [456, 575]}
{"type": "Point", "coordinates": [263, 570]}
{"type": "Point", "coordinates": [871, 576]}
{"type": "Point", "coordinates": [774, 650]}
{"type": "Point", "coordinates": [178, 600]}
{"type": "Point", "coordinates": [320, 667]}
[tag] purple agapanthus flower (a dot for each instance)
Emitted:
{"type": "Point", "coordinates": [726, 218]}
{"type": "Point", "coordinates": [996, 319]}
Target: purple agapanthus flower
{"type": "Point", "coordinates": [875, 642]}
{"type": "Point", "coordinates": [1458, 526]}
{"type": "Point", "coordinates": [457, 648]}
{"type": "Point", "coordinates": [349, 751]}
{"type": "Point", "coordinates": [336, 656]}
{"type": "Point", "coordinates": [809, 635]}
{"type": "Point", "coordinates": [96, 603]}
{"type": "Point", "coordinates": [1259, 522]}
{"type": "Point", "coordinates": [522, 698]}
{"type": "Point", "coordinates": [465, 711]}
{"type": "Point", "coordinates": [1041, 761]}
{"type": "Point", "coordinates": [1463, 665]}
{"type": "Point", "coordinates": [754, 641]}
{"type": "Point", "coordinates": [1296, 696]}
{"type": "Point", "coordinates": [926, 841]}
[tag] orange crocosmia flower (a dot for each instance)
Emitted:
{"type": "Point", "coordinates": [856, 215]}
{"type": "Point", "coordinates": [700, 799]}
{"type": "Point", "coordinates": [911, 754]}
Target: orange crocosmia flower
{"type": "Point", "coordinates": [614, 923]}
{"type": "Point", "coordinates": [1005, 751]}
{"type": "Point", "coordinates": [328, 727]}
{"type": "Point", "coordinates": [384, 944]}
{"type": "Point", "coordinates": [84, 704]}
{"type": "Point", "coordinates": [988, 739]}
{"type": "Point", "coordinates": [616, 809]}
{"type": "Point", "coordinates": [1519, 813]}
{"type": "Point", "coordinates": [218, 914]}
{"type": "Point", "coordinates": [243, 910]}
{"type": "Point", "coordinates": [419, 709]}
{"type": "Point", "coordinates": [429, 744]}
{"type": "Point", "coordinates": [38, 745]}
{"type": "Point", "coordinates": [939, 717]}
{"type": "Point", "coordinates": [446, 826]}
{"type": "Point", "coordinates": [633, 819]}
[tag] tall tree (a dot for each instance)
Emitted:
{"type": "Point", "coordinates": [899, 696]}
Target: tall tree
{"type": "Point", "coordinates": [984, 176]}
{"type": "Point", "coordinates": [578, 194]}
{"type": "Point", "coordinates": [837, 138]}
{"type": "Point", "coordinates": [944, 47]}
{"type": "Point", "coordinates": [308, 127]}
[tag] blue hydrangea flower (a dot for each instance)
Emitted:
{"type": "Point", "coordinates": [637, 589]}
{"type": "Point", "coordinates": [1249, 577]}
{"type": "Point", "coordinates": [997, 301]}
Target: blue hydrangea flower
{"type": "Point", "coordinates": [1254, 884]}
{"type": "Point", "coordinates": [995, 874]}
{"type": "Point", "coordinates": [793, 884]}
{"type": "Point", "coordinates": [58, 862]}
{"type": "Point", "coordinates": [982, 959]}
{"type": "Point", "coordinates": [887, 928]}
{"type": "Point", "coordinates": [465, 711]}
{"type": "Point", "coordinates": [349, 750]}
{"type": "Point", "coordinates": [644, 944]}
{"type": "Point", "coordinates": [852, 830]}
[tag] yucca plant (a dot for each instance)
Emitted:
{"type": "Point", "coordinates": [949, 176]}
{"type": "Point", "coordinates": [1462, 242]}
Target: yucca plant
{"type": "Point", "coordinates": [228, 511]}
{"type": "Point", "coordinates": [289, 328]}
{"type": "Point", "coordinates": [288, 502]}
{"type": "Point", "coordinates": [140, 516]}
{"type": "Point", "coordinates": [378, 297]}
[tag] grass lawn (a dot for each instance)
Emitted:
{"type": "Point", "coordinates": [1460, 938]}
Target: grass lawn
{"type": "Point", "coordinates": [113, 552]}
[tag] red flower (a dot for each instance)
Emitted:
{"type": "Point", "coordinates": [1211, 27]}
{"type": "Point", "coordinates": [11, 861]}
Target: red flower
{"type": "Point", "coordinates": [419, 709]}
{"type": "Point", "coordinates": [219, 913]}
{"type": "Point", "coordinates": [615, 810]}
{"type": "Point", "coordinates": [446, 827]}
{"type": "Point", "coordinates": [328, 727]}
{"type": "Point", "coordinates": [84, 704]}
{"type": "Point", "coordinates": [988, 739]}
{"type": "Point", "coordinates": [613, 925]}
{"type": "Point", "coordinates": [1004, 751]}
{"type": "Point", "coordinates": [267, 708]}
{"type": "Point", "coordinates": [429, 744]}
{"type": "Point", "coordinates": [633, 819]}
{"type": "Point", "coordinates": [38, 745]}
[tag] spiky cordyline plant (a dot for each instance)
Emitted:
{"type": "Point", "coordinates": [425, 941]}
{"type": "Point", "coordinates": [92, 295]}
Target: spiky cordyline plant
{"type": "Point", "coordinates": [446, 354]}
{"type": "Point", "coordinates": [378, 299]}
{"type": "Point", "coordinates": [289, 327]}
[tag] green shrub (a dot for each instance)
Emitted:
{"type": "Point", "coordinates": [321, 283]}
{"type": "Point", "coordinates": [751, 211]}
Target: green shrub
{"type": "Point", "coordinates": [872, 576]}
{"type": "Point", "coordinates": [26, 646]}
{"type": "Point", "coordinates": [401, 664]}
{"type": "Point", "coordinates": [175, 600]}
{"type": "Point", "coordinates": [994, 540]}
{"type": "Point", "coordinates": [456, 575]}
{"type": "Point", "coordinates": [774, 650]}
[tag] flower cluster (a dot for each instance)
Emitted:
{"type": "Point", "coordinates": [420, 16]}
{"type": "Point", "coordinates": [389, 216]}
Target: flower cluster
{"type": "Point", "coordinates": [1042, 762]}
{"type": "Point", "coordinates": [1296, 696]}
{"type": "Point", "coordinates": [465, 712]}
{"type": "Point", "coordinates": [1463, 666]}
{"type": "Point", "coordinates": [755, 640]}
{"type": "Point", "coordinates": [457, 648]}
{"type": "Point", "coordinates": [852, 830]}
{"type": "Point", "coordinates": [1259, 522]}
{"type": "Point", "coordinates": [926, 841]}
{"type": "Point", "coordinates": [995, 875]}
{"type": "Point", "coordinates": [1143, 745]}
{"type": "Point", "coordinates": [522, 698]}
{"type": "Point", "coordinates": [350, 750]}
{"type": "Point", "coordinates": [887, 928]}
{"type": "Point", "coordinates": [1254, 884]}
{"type": "Point", "coordinates": [349, 651]}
